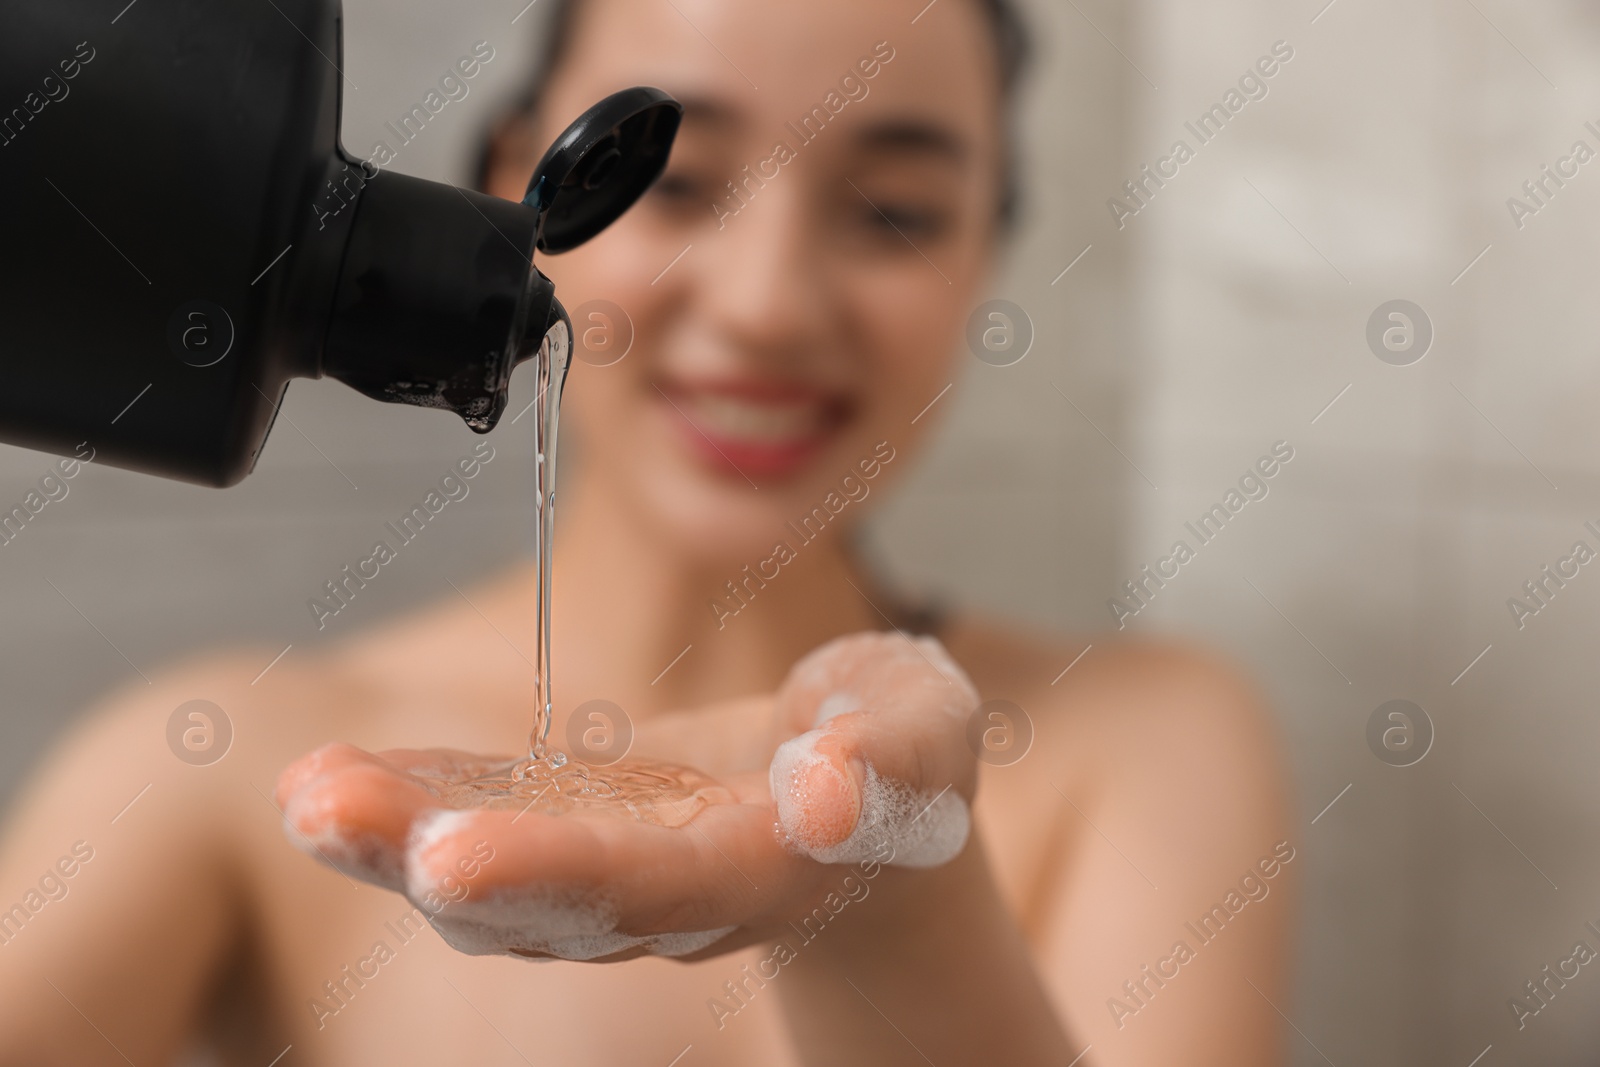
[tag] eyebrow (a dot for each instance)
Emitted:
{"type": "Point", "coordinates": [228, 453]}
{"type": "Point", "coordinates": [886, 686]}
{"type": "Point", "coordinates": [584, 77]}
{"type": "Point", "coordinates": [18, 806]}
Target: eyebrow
{"type": "Point", "coordinates": [915, 137]}
{"type": "Point", "coordinates": [710, 111]}
{"type": "Point", "coordinates": [908, 136]}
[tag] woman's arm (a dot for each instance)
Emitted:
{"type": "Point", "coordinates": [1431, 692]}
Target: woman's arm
{"type": "Point", "coordinates": [1165, 910]}
{"type": "Point", "coordinates": [930, 969]}
{"type": "Point", "coordinates": [1152, 793]}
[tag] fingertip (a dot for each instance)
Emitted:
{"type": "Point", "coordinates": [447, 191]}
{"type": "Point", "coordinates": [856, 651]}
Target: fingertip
{"type": "Point", "coordinates": [355, 816]}
{"type": "Point", "coordinates": [818, 788]}
{"type": "Point", "coordinates": [831, 804]}
{"type": "Point", "coordinates": [315, 764]}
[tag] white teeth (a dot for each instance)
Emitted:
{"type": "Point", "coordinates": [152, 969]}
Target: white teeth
{"type": "Point", "coordinates": [763, 423]}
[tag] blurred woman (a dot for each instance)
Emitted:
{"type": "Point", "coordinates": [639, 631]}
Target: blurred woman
{"type": "Point", "coordinates": [797, 285]}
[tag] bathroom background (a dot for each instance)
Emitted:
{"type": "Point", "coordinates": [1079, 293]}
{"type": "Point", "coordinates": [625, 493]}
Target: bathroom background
{"type": "Point", "coordinates": [1225, 310]}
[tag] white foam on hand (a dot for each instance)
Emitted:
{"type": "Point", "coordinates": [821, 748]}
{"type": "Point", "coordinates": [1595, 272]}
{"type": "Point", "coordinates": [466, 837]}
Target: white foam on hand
{"type": "Point", "coordinates": [915, 828]}
{"type": "Point", "coordinates": [567, 923]}
{"type": "Point", "coordinates": [566, 926]}
{"type": "Point", "coordinates": [870, 673]}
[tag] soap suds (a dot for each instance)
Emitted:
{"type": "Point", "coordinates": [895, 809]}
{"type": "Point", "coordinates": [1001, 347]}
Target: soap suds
{"type": "Point", "coordinates": [923, 828]}
{"type": "Point", "coordinates": [430, 828]}
{"type": "Point", "coordinates": [569, 925]}
{"type": "Point", "coordinates": [797, 771]}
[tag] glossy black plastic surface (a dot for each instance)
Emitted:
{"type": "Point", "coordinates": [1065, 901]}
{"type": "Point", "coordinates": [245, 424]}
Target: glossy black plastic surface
{"type": "Point", "coordinates": [437, 298]}
{"type": "Point", "coordinates": [144, 306]}
{"type": "Point", "coordinates": [601, 165]}
{"type": "Point", "coordinates": [184, 235]}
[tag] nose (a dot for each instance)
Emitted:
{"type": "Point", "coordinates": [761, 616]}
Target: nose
{"type": "Point", "coordinates": [761, 288]}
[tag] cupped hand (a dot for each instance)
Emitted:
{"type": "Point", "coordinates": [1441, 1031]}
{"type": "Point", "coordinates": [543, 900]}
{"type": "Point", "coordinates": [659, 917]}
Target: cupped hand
{"type": "Point", "coordinates": [871, 766]}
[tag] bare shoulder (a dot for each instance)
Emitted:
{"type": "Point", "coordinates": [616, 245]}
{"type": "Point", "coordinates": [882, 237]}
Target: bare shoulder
{"type": "Point", "coordinates": [196, 731]}
{"type": "Point", "coordinates": [178, 762]}
{"type": "Point", "coordinates": [1163, 746]}
{"type": "Point", "coordinates": [205, 737]}
{"type": "Point", "coordinates": [154, 815]}
{"type": "Point", "coordinates": [1110, 684]}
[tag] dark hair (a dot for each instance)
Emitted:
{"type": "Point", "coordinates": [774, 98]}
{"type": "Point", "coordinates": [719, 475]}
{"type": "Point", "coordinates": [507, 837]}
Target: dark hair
{"type": "Point", "coordinates": [1012, 53]}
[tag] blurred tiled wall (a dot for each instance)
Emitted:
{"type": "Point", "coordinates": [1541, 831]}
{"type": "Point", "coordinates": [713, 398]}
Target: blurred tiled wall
{"type": "Point", "coordinates": [1378, 167]}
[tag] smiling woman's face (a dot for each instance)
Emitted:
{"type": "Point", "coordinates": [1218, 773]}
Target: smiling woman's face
{"type": "Point", "coordinates": [781, 334]}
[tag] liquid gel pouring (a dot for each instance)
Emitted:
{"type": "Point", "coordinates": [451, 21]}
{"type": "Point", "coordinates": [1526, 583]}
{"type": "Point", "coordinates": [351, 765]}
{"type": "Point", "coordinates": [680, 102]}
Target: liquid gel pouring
{"type": "Point", "coordinates": [547, 780]}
